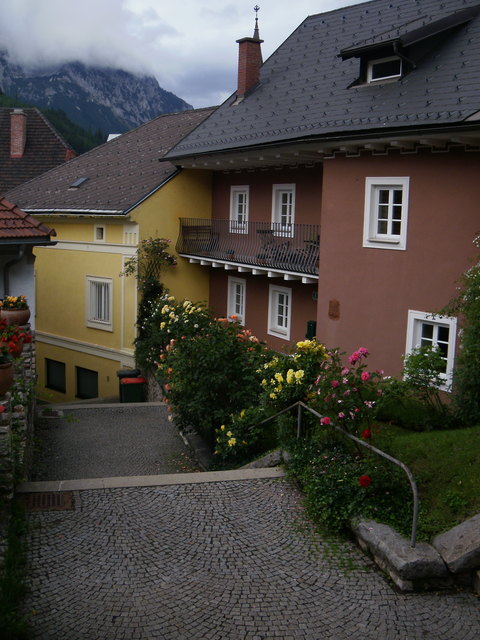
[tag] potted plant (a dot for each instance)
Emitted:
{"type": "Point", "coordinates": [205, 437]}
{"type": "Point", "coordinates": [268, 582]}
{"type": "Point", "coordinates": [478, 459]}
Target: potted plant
{"type": "Point", "coordinates": [13, 338]}
{"type": "Point", "coordinates": [15, 310]}
{"type": "Point", "coordinates": [6, 370]}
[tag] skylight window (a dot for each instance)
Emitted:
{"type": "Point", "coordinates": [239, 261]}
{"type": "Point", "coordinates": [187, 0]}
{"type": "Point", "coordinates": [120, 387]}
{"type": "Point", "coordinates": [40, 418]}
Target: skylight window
{"type": "Point", "coordinates": [384, 69]}
{"type": "Point", "coordinates": [78, 183]}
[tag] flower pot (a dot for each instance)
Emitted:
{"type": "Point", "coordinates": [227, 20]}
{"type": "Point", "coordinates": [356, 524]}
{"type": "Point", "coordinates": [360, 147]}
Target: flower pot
{"type": "Point", "coordinates": [6, 377]}
{"type": "Point", "coordinates": [15, 316]}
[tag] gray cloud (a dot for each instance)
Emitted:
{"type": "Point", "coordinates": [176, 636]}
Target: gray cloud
{"type": "Point", "coordinates": [189, 46]}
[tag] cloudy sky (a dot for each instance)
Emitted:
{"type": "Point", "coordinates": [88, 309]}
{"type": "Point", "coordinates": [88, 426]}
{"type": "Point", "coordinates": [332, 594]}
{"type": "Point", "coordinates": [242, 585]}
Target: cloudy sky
{"type": "Point", "coordinates": [188, 45]}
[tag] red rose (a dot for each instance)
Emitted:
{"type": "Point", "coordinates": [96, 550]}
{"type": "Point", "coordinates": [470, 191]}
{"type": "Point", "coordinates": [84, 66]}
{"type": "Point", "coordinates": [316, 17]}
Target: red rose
{"type": "Point", "coordinates": [325, 420]}
{"type": "Point", "coordinates": [367, 434]}
{"type": "Point", "coordinates": [364, 481]}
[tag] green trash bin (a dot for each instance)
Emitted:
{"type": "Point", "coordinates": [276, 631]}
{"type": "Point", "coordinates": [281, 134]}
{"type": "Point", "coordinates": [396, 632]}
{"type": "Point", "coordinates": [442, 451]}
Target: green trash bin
{"type": "Point", "coordinates": [132, 390]}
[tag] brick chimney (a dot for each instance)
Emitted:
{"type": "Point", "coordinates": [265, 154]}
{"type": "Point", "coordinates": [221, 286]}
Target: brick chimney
{"type": "Point", "coordinates": [249, 61]}
{"type": "Point", "coordinates": [18, 133]}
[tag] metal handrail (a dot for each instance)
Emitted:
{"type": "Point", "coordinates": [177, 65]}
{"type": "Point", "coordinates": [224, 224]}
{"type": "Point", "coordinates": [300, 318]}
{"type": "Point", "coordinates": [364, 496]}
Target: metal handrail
{"type": "Point", "coordinates": [293, 248]}
{"type": "Point", "coordinates": [301, 405]}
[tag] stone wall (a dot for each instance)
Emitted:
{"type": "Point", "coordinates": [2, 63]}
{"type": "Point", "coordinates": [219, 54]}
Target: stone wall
{"type": "Point", "coordinates": [16, 435]}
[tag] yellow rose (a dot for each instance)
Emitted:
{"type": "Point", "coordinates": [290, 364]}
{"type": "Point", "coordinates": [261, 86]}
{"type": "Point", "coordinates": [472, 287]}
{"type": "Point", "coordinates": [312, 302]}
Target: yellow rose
{"type": "Point", "coordinates": [232, 442]}
{"type": "Point", "coordinates": [222, 428]}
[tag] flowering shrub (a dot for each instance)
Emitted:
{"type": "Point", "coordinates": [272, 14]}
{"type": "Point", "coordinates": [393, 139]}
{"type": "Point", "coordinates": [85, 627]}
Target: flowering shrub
{"type": "Point", "coordinates": [13, 337]}
{"type": "Point", "coordinates": [164, 319]}
{"type": "Point", "coordinates": [347, 395]}
{"type": "Point", "coordinates": [242, 438]}
{"type": "Point", "coordinates": [287, 379]}
{"type": "Point", "coordinates": [14, 302]}
{"type": "Point", "coordinates": [340, 485]}
{"type": "Point", "coordinates": [208, 366]}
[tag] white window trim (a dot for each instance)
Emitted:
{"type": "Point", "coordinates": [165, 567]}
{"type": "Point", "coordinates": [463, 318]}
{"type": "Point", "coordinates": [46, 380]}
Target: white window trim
{"type": "Point", "coordinates": [278, 230]}
{"type": "Point", "coordinates": [371, 63]}
{"type": "Point", "coordinates": [371, 238]}
{"type": "Point", "coordinates": [231, 304]}
{"type": "Point", "coordinates": [235, 226]}
{"type": "Point", "coordinates": [273, 328]}
{"type": "Point", "coordinates": [90, 321]}
{"type": "Point", "coordinates": [415, 318]}
{"type": "Point", "coordinates": [96, 229]}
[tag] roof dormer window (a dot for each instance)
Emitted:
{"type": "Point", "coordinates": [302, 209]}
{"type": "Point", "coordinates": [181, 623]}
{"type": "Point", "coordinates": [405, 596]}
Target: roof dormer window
{"type": "Point", "coordinates": [384, 69]}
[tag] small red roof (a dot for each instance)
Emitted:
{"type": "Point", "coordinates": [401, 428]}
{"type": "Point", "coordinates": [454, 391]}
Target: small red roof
{"type": "Point", "coordinates": [17, 227]}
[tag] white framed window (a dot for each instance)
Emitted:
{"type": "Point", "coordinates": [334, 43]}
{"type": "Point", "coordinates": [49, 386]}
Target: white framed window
{"type": "Point", "coordinates": [283, 209]}
{"type": "Point", "coordinates": [99, 233]}
{"type": "Point", "coordinates": [425, 329]}
{"type": "Point", "coordinates": [236, 298]}
{"type": "Point", "coordinates": [239, 196]}
{"type": "Point", "coordinates": [386, 213]}
{"type": "Point", "coordinates": [384, 69]}
{"type": "Point", "coordinates": [279, 311]}
{"type": "Point", "coordinates": [99, 303]}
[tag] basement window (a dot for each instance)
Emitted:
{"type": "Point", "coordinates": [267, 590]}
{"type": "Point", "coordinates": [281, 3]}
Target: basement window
{"type": "Point", "coordinates": [384, 69]}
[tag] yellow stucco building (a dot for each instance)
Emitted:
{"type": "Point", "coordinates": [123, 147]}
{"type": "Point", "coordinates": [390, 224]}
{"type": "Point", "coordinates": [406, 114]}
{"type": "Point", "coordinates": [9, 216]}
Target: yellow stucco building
{"type": "Point", "coordinates": [102, 205]}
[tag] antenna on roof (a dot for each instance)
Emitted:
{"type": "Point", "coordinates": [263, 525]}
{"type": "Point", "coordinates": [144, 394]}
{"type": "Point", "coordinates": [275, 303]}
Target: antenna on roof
{"type": "Point", "coordinates": [256, 33]}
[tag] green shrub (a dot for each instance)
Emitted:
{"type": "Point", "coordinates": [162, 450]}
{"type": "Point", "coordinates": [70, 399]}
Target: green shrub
{"type": "Point", "coordinates": [339, 485]}
{"type": "Point", "coordinates": [466, 378]}
{"type": "Point", "coordinates": [211, 372]}
{"type": "Point", "coordinates": [416, 402]}
{"type": "Point", "coordinates": [244, 438]}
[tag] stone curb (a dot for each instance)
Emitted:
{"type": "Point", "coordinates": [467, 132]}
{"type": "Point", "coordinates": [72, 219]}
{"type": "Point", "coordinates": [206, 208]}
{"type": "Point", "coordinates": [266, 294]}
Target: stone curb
{"type": "Point", "coordinates": [150, 481]}
{"type": "Point", "coordinates": [422, 567]}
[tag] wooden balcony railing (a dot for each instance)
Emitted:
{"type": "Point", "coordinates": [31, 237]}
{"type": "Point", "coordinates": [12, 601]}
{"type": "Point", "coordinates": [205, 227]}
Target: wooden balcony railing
{"type": "Point", "coordinates": [293, 248]}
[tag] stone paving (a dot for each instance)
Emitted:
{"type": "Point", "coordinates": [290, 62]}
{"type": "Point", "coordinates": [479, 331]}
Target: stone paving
{"type": "Point", "coordinates": [114, 440]}
{"type": "Point", "coordinates": [226, 560]}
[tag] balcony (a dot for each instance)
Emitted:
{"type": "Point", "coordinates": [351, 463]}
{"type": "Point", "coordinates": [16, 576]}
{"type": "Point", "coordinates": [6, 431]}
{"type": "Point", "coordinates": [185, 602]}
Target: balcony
{"type": "Point", "coordinates": [290, 251]}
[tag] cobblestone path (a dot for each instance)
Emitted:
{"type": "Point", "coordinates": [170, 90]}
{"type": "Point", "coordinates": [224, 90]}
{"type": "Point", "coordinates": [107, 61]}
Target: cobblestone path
{"type": "Point", "coordinates": [220, 561]}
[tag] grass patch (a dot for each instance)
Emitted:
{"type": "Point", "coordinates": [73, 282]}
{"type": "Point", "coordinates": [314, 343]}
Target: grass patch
{"type": "Point", "coordinates": [446, 465]}
{"type": "Point", "coordinates": [13, 625]}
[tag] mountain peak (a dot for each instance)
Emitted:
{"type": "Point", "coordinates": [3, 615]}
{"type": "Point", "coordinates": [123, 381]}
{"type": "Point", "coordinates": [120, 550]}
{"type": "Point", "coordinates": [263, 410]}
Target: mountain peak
{"type": "Point", "coordinates": [94, 97]}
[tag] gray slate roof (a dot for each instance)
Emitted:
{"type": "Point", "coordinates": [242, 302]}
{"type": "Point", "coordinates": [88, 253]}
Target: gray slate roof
{"type": "Point", "coordinates": [119, 173]}
{"type": "Point", "coordinates": [305, 87]}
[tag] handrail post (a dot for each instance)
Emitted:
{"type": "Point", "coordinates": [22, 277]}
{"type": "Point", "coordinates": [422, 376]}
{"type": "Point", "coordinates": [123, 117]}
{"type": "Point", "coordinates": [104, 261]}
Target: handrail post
{"type": "Point", "coordinates": [299, 421]}
{"type": "Point", "coordinates": [413, 485]}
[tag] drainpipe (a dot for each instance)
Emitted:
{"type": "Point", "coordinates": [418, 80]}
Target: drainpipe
{"type": "Point", "coordinates": [7, 267]}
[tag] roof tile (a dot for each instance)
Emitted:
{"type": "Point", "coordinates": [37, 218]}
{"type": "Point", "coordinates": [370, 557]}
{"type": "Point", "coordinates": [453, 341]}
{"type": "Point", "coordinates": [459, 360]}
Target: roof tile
{"type": "Point", "coordinates": [120, 172]}
{"type": "Point", "coordinates": [305, 87]}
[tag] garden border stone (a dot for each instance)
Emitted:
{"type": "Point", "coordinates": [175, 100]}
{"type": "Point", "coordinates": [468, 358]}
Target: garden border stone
{"type": "Point", "coordinates": [460, 546]}
{"type": "Point", "coordinates": [410, 568]}
{"type": "Point", "coordinates": [421, 567]}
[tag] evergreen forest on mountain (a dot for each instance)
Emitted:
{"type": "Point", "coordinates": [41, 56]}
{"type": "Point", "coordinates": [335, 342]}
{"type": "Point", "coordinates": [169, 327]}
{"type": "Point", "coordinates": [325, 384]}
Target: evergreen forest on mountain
{"type": "Point", "coordinates": [80, 139]}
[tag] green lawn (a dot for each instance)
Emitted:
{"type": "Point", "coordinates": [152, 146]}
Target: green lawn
{"type": "Point", "coordinates": [446, 465]}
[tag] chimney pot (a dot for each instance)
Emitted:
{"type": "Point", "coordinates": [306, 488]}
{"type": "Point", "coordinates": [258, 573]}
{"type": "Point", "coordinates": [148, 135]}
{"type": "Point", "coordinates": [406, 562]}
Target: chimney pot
{"type": "Point", "coordinates": [18, 133]}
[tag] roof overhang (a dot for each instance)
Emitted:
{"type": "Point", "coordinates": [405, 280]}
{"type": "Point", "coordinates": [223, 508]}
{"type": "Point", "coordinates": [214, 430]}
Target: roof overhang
{"type": "Point", "coordinates": [60, 213]}
{"type": "Point", "coordinates": [313, 151]}
{"type": "Point", "coordinates": [27, 241]}
{"type": "Point", "coordinates": [412, 36]}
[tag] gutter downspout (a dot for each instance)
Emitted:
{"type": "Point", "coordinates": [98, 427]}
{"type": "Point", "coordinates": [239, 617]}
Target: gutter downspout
{"type": "Point", "coordinates": [8, 265]}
